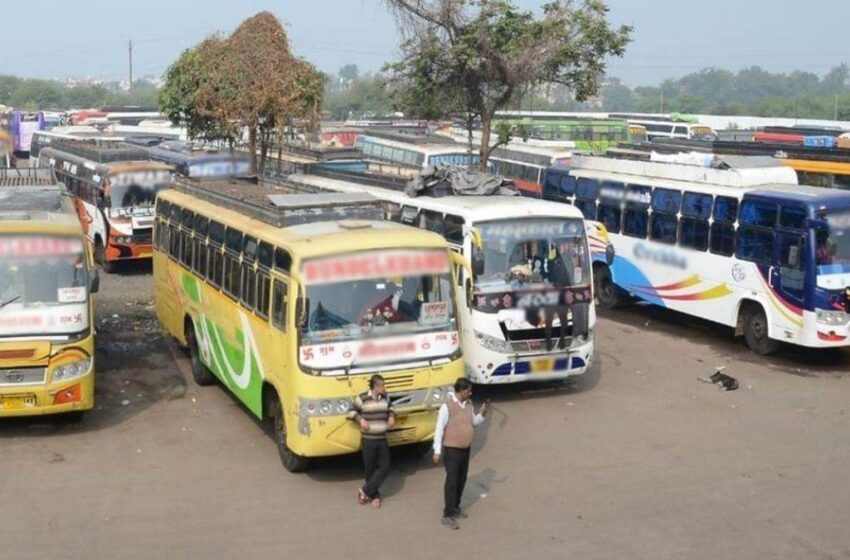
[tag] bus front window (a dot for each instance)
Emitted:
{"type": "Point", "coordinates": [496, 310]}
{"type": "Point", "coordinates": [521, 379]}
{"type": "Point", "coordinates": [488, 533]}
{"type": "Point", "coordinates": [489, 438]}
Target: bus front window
{"type": "Point", "coordinates": [529, 253]}
{"type": "Point", "coordinates": [371, 319]}
{"type": "Point", "coordinates": [43, 286]}
{"type": "Point", "coordinates": [133, 191]}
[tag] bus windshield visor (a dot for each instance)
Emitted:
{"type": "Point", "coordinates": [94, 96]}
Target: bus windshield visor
{"type": "Point", "coordinates": [134, 192]}
{"type": "Point", "coordinates": [43, 286]}
{"type": "Point", "coordinates": [377, 308]}
{"type": "Point", "coordinates": [531, 253]}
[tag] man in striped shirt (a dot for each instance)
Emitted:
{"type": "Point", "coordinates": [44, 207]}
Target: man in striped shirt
{"type": "Point", "coordinates": [375, 414]}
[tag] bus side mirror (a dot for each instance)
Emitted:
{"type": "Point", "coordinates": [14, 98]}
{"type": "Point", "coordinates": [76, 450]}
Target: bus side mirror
{"type": "Point", "coordinates": [477, 263]}
{"type": "Point", "coordinates": [468, 289]}
{"type": "Point", "coordinates": [610, 254]}
{"type": "Point", "coordinates": [94, 282]}
{"type": "Point", "coordinates": [475, 235]}
{"type": "Point", "coordinates": [831, 246]}
{"type": "Point", "coordinates": [302, 304]}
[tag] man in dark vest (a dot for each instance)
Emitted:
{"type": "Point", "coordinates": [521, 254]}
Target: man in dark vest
{"type": "Point", "coordinates": [375, 414]}
{"type": "Point", "coordinates": [452, 440]}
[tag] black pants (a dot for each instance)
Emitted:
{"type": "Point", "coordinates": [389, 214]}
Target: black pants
{"type": "Point", "coordinates": [376, 459]}
{"type": "Point", "coordinates": [457, 467]}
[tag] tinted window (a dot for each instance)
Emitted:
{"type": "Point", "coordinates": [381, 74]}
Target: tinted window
{"type": "Point", "coordinates": [609, 215]}
{"type": "Point", "coordinates": [725, 209]}
{"type": "Point", "coordinates": [611, 192]}
{"type": "Point", "coordinates": [433, 221]}
{"type": "Point", "coordinates": [666, 200]}
{"type": "Point", "coordinates": [163, 208]}
{"type": "Point", "coordinates": [638, 196]}
{"type": "Point", "coordinates": [266, 255]}
{"type": "Point", "coordinates": [794, 218]}
{"type": "Point", "coordinates": [587, 188]}
{"type": "Point", "coordinates": [454, 229]}
{"type": "Point", "coordinates": [202, 226]}
{"type": "Point", "coordinates": [588, 208]}
{"type": "Point", "coordinates": [663, 228]}
{"type": "Point", "coordinates": [279, 304]}
{"type": "Point", "coordinates": [635, 222]}
{"type": "Point", "coordinates": [723, 238]}
{"type": "Point", "coordinates": [696, 205]}
{"type": "Point", "coordinates": [693, 233]}
{"type": "Point", "coordinates": [757, 213]}
{"type": "Point", "coordinates": [217, 233]}
{"type": "Point", "coordinates": [282, 259]}
{"type": "Point", "coordinates": [234, 240]}
{"type": "Point", "coordinates": [754, 244]}
{"type": "Point", "coordinates": [249, 249]}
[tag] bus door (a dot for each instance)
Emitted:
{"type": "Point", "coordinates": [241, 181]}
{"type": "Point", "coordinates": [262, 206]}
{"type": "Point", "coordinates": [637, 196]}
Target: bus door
{"type": "Point", "coordinates": [791, 258]}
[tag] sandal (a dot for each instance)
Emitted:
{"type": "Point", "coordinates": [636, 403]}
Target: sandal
{"type": "Point", "coordinates": [361, 497]}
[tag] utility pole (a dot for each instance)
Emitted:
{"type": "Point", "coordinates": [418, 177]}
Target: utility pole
{"type": "Point", "coordinates": [130, 48]}
{"type": "Point", "coordinates": [662, 102]}
{"type": "Point", "coordinates": [835, 109]}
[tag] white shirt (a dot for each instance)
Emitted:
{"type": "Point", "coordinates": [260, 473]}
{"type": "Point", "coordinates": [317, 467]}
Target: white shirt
{"type": "Point", "coordinates": [443, 419]}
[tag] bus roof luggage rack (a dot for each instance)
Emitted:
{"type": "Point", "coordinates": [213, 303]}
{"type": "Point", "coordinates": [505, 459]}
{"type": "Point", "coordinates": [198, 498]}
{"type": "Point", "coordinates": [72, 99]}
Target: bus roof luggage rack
{"type": "Point", "coordinates": [101, 150]}
{"type": "Point", "coordinates": [27, 177]}
{"type": "Point", "coordinates": [284, 205]}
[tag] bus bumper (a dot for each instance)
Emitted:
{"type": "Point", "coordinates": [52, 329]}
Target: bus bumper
{"type": "Point", "coordinates": [326, 436]}
{"type": "Point", "coordinates": [547, 366]}
{"type": "Point", "coordinates": [55, 398]}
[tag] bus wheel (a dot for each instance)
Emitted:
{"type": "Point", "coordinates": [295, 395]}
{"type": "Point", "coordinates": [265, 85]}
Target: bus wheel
{"type": "Point", "coordinates": [607, 293]}
{"type": "Point", "coordinates": [100, 257]}
{"type": "Point", "coordinates": [291, 461]}
{"type": "Point", "coordinates": [200, 373]}
{"type": "Point", "coordinates": [755, 333]}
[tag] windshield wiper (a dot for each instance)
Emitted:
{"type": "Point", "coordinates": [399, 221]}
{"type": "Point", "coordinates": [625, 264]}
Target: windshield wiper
{"type": "Point", "coordinates": [8, 301]}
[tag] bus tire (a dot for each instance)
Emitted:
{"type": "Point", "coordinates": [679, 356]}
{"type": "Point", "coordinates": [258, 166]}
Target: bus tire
{"type": "Point", "coordinates": [292, 462]}
{"type": "Point", "coordinates": [200, 373]}
{"type": "Point", "coordinates": [100, 256]}
{"type": "Point", "coordinates": [607, 294]}
{"type": "Point", "coordinates": [756, 331]}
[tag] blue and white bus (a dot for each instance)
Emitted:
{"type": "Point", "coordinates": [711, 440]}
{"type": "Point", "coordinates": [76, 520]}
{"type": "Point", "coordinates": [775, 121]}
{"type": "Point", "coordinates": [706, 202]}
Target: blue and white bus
{"type": "Point", "coordinates": [416, 155]}
{"type": "Point", "coordinates": [744, 247]}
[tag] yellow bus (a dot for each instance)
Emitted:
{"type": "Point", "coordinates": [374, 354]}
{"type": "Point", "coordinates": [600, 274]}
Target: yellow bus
{"type": "Point", "coordinates": [5, 149]}
{"type": "Point", "coordinates": [832, 174]}
{"type": "Point", "coordinates": [46, 281]}
{"type": "Point", "coordinates": [291, 301]}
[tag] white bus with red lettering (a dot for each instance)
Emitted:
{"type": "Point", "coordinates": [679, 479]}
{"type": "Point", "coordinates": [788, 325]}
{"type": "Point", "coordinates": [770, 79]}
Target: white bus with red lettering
{"type": "Point", "coordinates": [528, 311]}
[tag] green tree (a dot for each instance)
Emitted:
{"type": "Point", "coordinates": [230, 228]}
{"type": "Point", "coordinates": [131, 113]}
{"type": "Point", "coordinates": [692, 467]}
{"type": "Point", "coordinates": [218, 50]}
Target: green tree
{"type": "Point", "coordinates": [471, 58]}
{"type": "Point", "coordinates": [38, 94]}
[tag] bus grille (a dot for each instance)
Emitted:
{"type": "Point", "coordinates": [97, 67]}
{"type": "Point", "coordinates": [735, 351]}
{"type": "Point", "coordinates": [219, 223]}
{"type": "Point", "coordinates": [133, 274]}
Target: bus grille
{"type": "Point", "coordinates": [399, 382]}
{"type": "Point", "coordinates": [143, 237]}
{"type": "Point", "coordinates": [12, 377]}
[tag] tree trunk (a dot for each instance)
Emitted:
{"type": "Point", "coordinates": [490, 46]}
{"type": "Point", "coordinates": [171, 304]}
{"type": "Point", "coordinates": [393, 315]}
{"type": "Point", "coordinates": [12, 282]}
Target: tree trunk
{"type": "Point", "coordinates": [252, 148]}
{"type": "Point", "coordinates": [486, 125]}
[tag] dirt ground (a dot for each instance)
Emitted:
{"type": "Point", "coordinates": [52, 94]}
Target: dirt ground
{"type": "Point", "coordinates": [640, 460]}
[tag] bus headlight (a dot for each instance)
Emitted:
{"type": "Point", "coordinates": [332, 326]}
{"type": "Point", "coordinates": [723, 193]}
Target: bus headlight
{"type": "Point", "coordinates": [343, 406]}
{"type": "Point", "coordinates": [122, 239]}
{"type": "Point", "coordinates": [827, 317]}
{"type": "Point", "coordinates": [325, 407]}
{"type": "Point", "coordinates": [72, 370]}
{"type": "Point", "coordinates": [437, 394]}
{"type": "Point", "coordinates": [492, 343]}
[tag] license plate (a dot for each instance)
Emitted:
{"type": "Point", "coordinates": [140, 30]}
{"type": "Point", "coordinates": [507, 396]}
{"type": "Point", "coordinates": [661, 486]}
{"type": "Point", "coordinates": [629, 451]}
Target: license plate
{"type": "Point", "coordinates": [545, 365]}
{"type": "Point", "coordinates": [15, 403]}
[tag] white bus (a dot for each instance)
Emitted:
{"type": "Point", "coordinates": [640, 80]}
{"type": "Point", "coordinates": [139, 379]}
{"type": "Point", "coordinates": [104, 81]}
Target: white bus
{"type": "Point", "coordinates": [416, 155]}
{"type": "Point", "coordinates": [744, 247]}
{"type": "Point", "coordinates": [525, 165]}
{"type": "Point", "coordinates": [672, 129]}
{"type": "Point", "coordinates": [528, 311]}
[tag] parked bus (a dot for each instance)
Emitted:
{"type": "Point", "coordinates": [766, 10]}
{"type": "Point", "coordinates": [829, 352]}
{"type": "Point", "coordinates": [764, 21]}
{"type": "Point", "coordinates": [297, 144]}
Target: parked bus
{"type": "Point", "coordinates": [114, 187]}
{"type": "Point", "coordinates": [22, 125]}
{"type": "Point", "coordinates": [525, 165]}
{"type": "Point", "coordinates": [44, 138]}
{"type": "Point", "coordinates": [416, 155]}
{"type": "Point", "coordinates": [528, 311]}
{"type": "Point", "coordinates": [191, 161]}
{"type": "Point", "coordinates": [46, 312]}
{"type": "Point", "coordinates": [746, 248]}
{"type": "Point", "coordinates": [5, 149]}
{"type": "Point", "coordinates": [292, 301]}
{"type": "Point", "coordinates": [669, 129]}
{"type": "Point", "coordinates": [588, 134]}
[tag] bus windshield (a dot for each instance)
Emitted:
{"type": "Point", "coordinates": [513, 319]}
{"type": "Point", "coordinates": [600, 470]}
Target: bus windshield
{"type": "Point", "coordinates": [134, 190]}
{"type": "Point", "coordinates": [839, 239]}
{"type": "Point", "coordinates": [357, 314]}
{"type": "Point", "coordinates": [529, 253]}
{"type": "Point", "coordinates": [43, 285]}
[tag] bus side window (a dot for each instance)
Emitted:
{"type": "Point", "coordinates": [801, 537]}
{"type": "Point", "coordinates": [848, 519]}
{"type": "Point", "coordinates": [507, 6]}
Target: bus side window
{"type": "Point", "coordinates": [754, 244]}
{"type": "Point", "coordinates": [279, 302]}
{"type": "Point", "coordinates": [231, 275]}
{"type": "Point", "coordinates": [263, 295]}
{"type": "Point", "coordinates": [433, 221]}
{"type": "Point", "coordinates": [214, 267]}
{"type": "Point", "coordinates": [187, 251]}
{"type": "Point", "coordinates": [586, 192]}
{"type": "Point", "coordinates": [635, 222]}
{"type": "Point", "coordinates": [410, 216]}
{"type": "Point", "coordinates": [174, 243]}
{"type": "Point", "coordinates": [609, 214]}
{"type": "Point", "coordinates": [693, 227]}
{"type": "Point", "coordinates": [663, 227]}
{"type": "Point", "coordinates": [454, 229]}
{"type": "Point", "coordinates": [793, 217]}
{"type": "Point", "coordinates": [248, 295]}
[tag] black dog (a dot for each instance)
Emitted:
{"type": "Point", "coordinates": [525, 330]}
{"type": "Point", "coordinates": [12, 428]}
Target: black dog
{"type": "Point", "coordinates": [723, 381]}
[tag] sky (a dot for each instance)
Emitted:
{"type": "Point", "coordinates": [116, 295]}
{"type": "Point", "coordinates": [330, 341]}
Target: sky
{"type": "Point", "coordinates": [60, 38]}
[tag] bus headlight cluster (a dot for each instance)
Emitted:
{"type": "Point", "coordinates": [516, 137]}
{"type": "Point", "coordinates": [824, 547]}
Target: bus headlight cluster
{"type": "Point", "coordinates": [327, 407]}
{"type": "Point", "coordinates": [122, 239]}
{"type": "Point", "coordinates": [72, 370]}
{"type": "Point", "coordinates": [832, 317]}
{"type": "Point", "coordinates": [343, 406]}
{"type": "Point", "coordinates": [437, 394]}
{"type": "Point", "coordinates": [492, 343]}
